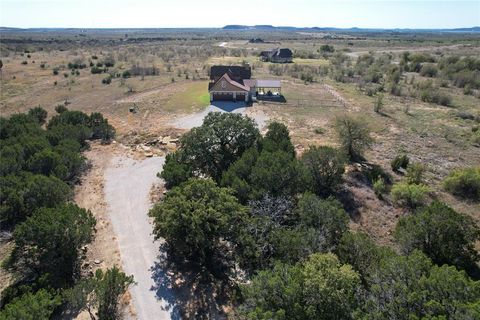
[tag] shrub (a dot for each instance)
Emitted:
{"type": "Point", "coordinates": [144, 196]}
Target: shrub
{"type": "Point", "coordinates": [55, 71]}
{"type": "Point", "coordinates": [444, 235]}
{"type": "Point", "coordinates": [464, 183]}
{"type": "Point", "coordinates": [435, 96]}
{"type": "Point", "coordinates": [429, 70]}
{"type": "Point", "coordinates": [378, 105]}
{"type": "Point", "coordinates": [415, 173]}
{"type": "Point", "coordinates": [326, 166]}
{"type": "Point", "coordinates": [126, 74]}
{"type": "Point", "coordinates": [380, 187]}
{"type": "Point", "coordinates": [373, 172]}
{"type": "Point", "coordinates": [96, 70]}
{"type": "Point", "coordinates": [107, 80]}
{"type": "Point", "coordinates": [31, 306]}
{"type": "Point", "coordinates": [410, 195]}
{"type": "Point", "coordinates": [400, 161]}
{"type": "Point", "coordinates": [354, 136]}
{"type": "Point", "coordinates": [24, 62]}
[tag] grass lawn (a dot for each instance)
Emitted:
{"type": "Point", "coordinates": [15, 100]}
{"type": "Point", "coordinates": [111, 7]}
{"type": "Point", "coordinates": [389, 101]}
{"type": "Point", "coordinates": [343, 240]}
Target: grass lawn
{"type": "Point", "coordinates": [192, 96]}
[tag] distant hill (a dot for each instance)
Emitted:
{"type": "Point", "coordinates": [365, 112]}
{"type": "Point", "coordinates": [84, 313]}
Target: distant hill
{"type": "Point", "coordinates": [354, 29]}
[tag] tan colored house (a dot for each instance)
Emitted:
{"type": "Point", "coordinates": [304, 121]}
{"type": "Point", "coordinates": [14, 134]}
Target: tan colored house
{"type": "Point", "coordinates": [234, 83]}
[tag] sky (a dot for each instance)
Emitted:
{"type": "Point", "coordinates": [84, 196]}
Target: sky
{"type": "Point", "coordinates": [217, 13]}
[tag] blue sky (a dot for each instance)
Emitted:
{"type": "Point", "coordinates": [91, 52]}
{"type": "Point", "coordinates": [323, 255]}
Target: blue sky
{"type": "Point", "coordinates": [217, 13]}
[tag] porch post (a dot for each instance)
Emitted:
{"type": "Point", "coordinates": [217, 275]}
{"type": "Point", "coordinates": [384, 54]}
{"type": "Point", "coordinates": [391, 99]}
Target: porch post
{"type": "Point", "coordinates": [211, 96]}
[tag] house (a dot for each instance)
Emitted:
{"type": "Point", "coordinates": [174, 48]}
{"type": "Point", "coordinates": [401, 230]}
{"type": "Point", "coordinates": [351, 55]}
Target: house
{"type": "Point", "coordinates": [277, 55]}
{"type": "Point", "coordinates": [235, 83]}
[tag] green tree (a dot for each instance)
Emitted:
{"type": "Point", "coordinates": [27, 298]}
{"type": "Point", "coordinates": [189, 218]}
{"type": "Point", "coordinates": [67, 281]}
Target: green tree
{"type": "Point", "coordinates": [354, 136]}
{"type": "Point", "coordinates": [109, 286]}
{"type": "Point", "coordinates": [31, 306]}
{"type": "Point", "coordinates": [319, 288]}
{"type": "Point", "coordinates": [47, 162]}
{"type": "Point", "coordinates": [196, 219]}
{"type": "Point", "coordinates": [278, 174]}
{"type": "Point", "coordinates": [443, 234]}
{"type": "Point", "coordinates": [326, 217]}
{"type": "Point", "coordinates": [100, 127]}
{"type": "Point", "coordinates": [21, 195]}
{"type": "Point", "coordinates": [102, 292]}
{"type": "Point", "coordinates": [410, 287]}
{"type": "Point", "coordinates": [48, 243]}
{"type": "Point", "coordinates": [361, 252]}
{"type": "Point", "coordinates": [222, 138]}
{"type": "Point", "coordinates": [278, 138]}
{"type": "Point", "coordinates": [275, 294]}
{"type": "Point", "coordinates": [329, 287]}
{"type": "Point", "coordinates": [39, 114]}
{"type": "Point", "coordinates": [237, 176]}
{"type": "Point", "coordinates": [174, 170]}
{"type": "Point", "coordinates": [326, 166]}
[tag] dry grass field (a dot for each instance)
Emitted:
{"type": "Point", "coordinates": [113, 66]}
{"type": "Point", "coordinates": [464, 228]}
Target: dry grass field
{"type": "Point", "coordinates": [435, 135]}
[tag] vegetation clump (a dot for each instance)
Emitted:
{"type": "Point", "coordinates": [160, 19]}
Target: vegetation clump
{"type": "Point", "coordinates": [464, 183]}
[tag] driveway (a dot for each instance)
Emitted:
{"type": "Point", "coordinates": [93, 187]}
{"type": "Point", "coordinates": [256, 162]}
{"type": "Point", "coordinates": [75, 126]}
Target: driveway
{"type": "Point", "coordinates": [196, 119]}
{"type": "Point", "coordinates": [127, 187]}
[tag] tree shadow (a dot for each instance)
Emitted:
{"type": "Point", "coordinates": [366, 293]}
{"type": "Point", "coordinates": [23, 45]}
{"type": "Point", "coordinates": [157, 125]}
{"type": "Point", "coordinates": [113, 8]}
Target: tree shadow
{"type": "Point", "coordinates": [349, 203]}
{"type": "Point", "coordinates": [188, 290]}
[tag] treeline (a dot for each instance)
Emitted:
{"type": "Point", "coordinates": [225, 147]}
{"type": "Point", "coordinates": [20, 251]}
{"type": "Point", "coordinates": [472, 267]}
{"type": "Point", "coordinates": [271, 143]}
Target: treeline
{"type": "Point", "coordinates": [244, 211]}
{"type": "Point", "coordinates": [39, 163]}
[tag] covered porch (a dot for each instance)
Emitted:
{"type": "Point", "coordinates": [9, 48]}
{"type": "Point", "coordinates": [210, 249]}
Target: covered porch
{"type": "Point", "coordinates": [268, 89]}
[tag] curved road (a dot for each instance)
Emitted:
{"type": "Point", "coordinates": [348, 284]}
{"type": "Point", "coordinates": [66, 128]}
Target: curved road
{"type": "Point", "coordinates": [127, 187]}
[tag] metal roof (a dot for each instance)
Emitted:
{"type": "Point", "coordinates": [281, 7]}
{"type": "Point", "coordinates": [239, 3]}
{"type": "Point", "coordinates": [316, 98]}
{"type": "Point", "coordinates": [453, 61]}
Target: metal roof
{"type": "Point", "coordinates": [269, 84]}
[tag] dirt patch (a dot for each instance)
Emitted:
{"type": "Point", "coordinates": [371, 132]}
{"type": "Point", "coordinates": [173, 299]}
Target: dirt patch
{"type": "Point", "coordinates": [103, 252]}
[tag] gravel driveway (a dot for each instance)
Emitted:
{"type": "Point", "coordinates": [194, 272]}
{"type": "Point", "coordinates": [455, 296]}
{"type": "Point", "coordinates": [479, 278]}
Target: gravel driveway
{"type": "Point", "coordinates": [127, 187]}
{"type": "Point", "coordinates": [196, 119]}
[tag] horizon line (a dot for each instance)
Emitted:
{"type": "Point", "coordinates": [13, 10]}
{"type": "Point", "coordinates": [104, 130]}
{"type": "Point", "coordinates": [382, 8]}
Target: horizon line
{"type": "Point", "coordinates": [255, 25]}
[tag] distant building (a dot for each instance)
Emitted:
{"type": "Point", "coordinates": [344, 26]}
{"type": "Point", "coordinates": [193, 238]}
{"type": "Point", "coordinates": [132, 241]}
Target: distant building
{"type": "Point", "coordinates": [283, 55]}
{"type": "Point", "coordinates": [235, 83]}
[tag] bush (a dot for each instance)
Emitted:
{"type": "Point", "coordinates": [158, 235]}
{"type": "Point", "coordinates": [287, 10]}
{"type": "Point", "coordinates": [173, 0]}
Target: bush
{"type": "Point", "coordinates": [31, 306]}
{"type": "Point", "coordinates": [429, 70]}
{"type": "Point", "coordinates": [435, 96]}
{"type": "Point", "coordinates": [107, 80]}
{"type": "Point", "coordinates": [444, 235]}
{"type": "Point", "coordinates": [326, 166]}
{"type": "Point", "coordinates": [126, 74]}
{"type": "Point", "coordinates": [96, 70]}
{"type": "Point", "coordinates": [55, 72]}
{"type": "Point", "coordinates": [378, 104]}
{"type": "Point", "coordinates": [415, 173]}
{"type": "Point", "coordinates": [464, 183]}
{"type": "Point", "coordinates": [354, 136]}
{"type": "Point", "coordinates": [410, 195]}
{"type": "Point", "coordinates": [400, 161]}
{"type": "Point", "coordinates": [380, 187]}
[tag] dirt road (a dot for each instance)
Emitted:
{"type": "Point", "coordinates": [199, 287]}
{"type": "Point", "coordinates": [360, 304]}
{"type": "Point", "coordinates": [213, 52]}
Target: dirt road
{"type": "Point", "coordinates": [127, 186]}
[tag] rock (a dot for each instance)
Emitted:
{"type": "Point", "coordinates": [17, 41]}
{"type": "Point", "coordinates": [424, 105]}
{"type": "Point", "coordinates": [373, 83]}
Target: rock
{"type": "Point", "coordinates": [148, 154]}
{"type": "Point", "coordinates": [97, 261]}
{"type": "Point", "coordinates": [166, 140]}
